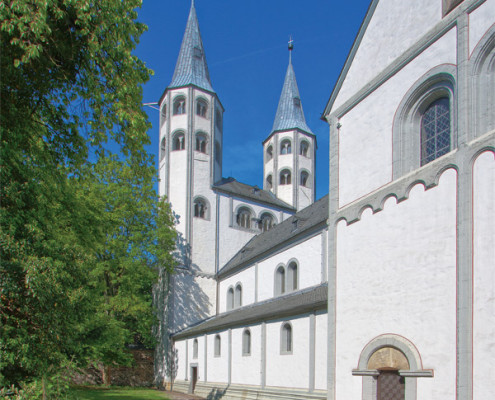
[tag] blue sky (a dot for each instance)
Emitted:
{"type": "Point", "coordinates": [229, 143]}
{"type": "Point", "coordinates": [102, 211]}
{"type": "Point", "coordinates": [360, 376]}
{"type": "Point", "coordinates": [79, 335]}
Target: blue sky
{"type": "Point", "coordinates": [246, 49]}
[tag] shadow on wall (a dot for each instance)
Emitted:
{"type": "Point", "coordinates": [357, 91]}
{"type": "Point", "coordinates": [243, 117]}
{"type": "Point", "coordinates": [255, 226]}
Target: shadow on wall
{"type": "Point", "coordinates": [216, 394]}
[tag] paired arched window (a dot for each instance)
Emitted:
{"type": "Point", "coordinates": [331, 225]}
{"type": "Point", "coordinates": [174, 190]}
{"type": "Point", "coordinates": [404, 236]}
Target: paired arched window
{"type": "Point", "coordinates": [292, 276]}
{"type": "Point", "coordinates": [200, 208]}
{"type": "Point", "coordinates": [286, 279]}
{"type": "Point", "coordinates": [304, 148]}
{"type": "Point", "coordinates": [238, 296]}
{"type": "Point", "coordinates": [218, 346]}
{"type": "Point", "coordinates": [230, 299]}
{"type": "Point", "coordinates": [179, 105]}
{"type": "Point", "coordinates": [266, 222]}
{"type": "Point", "coordinates": [280, 280]}
{"type": "Point", "coordinates": [285, 147]}
{"type": "Point", "coordinates": [269, 153]}
{"type": "Point", "coordinates": [163, 148]}
{"type": "Point", "coordinates": [435, 130]}
{"type": "Point", "coordinates": [285, 177]}
{"type": "Point", "coordinates": [244, 218]}
{"type": "Point", "coordinates": [178, 142]}
{"type": "Point", "coordinates": [201, 142]}
{"type": "Point", "coordinates": [246, 342]}
{"type": "Point", "coordinates": [195, 348]}
{"type": "Point", "coordinates": [286, 339]}
{"type": "Point", "coordinates": [304, 179]}
{"type": "Point", "coordinates": [269, 182]}
{"type": "Point", "coordinates": [201, 108]}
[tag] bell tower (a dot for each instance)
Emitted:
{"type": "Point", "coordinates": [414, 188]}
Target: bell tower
{"type": "Point", "coordinates": [290, 149]}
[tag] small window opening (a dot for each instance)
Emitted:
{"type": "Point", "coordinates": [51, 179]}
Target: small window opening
{"type": "Point", "coordinates": [304, 149]}
{"type": "Point", "coordinates": [285, 177]}
{"type": "Point", "coordinates": [179, 106]}
{"type": "Point", "coordinates": [179, 142]}
{"type": "Point", "coordinates": [218, 346]}
{"type": "Point", "coordinates": [244, 218]}
{"type": "Point", "coordinates": [201, 142]}
{"type": "Point", "coordinates": [286, 339]}
{"type": "Point", "coordinates": [304, 179]}
{"type": "Point", "coordinates": [201, 108]}
{"type": "Point", "coordinates": [246, 343]}
{"type": "Point", "coordinates": [286, 147]}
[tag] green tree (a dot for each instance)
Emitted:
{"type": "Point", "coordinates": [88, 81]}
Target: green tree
{"type": "Point", "coordinates": [70, 92]}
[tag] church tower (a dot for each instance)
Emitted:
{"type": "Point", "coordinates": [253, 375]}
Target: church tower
{"type": "Point", "coordinates": [290, 149]}
{"type": "Point", "coordinates": [191, 143]}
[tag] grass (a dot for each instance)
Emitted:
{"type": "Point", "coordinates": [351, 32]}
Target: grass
{"type": "Point", "coordinates": [114, 393]}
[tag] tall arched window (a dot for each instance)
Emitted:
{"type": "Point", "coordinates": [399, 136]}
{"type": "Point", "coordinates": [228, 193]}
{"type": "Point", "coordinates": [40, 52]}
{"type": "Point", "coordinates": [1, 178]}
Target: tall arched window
{"type": "Point", "coordinates": [200, 208]}
{"type": "Point", "coordinates": [244, 218]}
{"type": "Point", "coordinates": [218, 346]}
{"type": "Point", "coordinates": [285, 177]}
{"type": "Point", "coordinates": [218, 119]}
{"type": "Point", "coordinates": [178, 142]}
{"type": "Point", "coordinates": [163, 148]}
{"type": "Point", "coordinates": [286, 339]}
{"type": "Point", "coordinates": [292, 276]}
{"type": "Point", "coordinates": [201, 142]}
{"type": "Point", "coordinates": [304, 148]}
{"type": "Point", "coordinates": [280, 280]}
{"type": "Point", "coordinates": [230, 299]}
{"type": "Point", "coordinates": [269, 182]}
{"type": "Point", "coordinates": [435, 130]}
{"type": "Point", "coordinates": [285, 147]}
{"type": "Point", "coordinates": [195, 348]}
{"type": "Point", "coordinates": [238, 296]}
{"type": "Point", "coordinates": [179, 105]}
{"type": "Point", "coordinates": [201, 108]}
{"type": "Point", "coordinates": [266, 222]}
{"type": "Point", "coordinates": [246, 343]}
{"type": "Point", "coordinates": [163, 115]}
{"type": "Point", "coordinates": [269, 153]}
{"type": "Point", "coordinates": [304, 179]}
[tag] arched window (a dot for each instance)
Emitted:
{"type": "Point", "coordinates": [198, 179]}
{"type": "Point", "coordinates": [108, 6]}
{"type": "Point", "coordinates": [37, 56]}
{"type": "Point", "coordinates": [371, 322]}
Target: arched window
{"type": "Point", "coordinates": [244, 218]}
{"type": "Point", "coordinates": [286, 147]}
{"type": "Point", "coordinates": [304, 179]}
{"type": "Point", "coordinates": [238, 296]}
{"type": "Point", "coordinates": [292, 276]}
{"type": "Point", "coordinates": [285, 178]}
{"type": "Point", "coordinates": [200, 208]}
{"type": "Point", "coordinates": [265, 222]}
{"type": "Point", "coordinates": [269, 182]}
{"type": "Point", "coordinates": [286, 339]}
{"type": "Point", "coordinates": [163, 148]}
{"type": "Point", "coordinates": [304, 148]}
{"type": "Point", "coordinates": [178, 142]}
{"type": "Point", "coordinates": [230, 299]}
{"type": "Point", "coordinates": [269, 153]}
{"type": "Point", "coordinates": [163, 115]}
{"type": "Point", "coordinates": [218, 119]}
{"type": "Point", "coordinates": [201, 142]}
{"type": "Point", "coordinates": [201, 108]}
{"type": "Point", "coordinates": [218, 346]}
{"type": "Point", "coordinates": [435, 130]}
{"type": "Point", "coordinates": [179, 105]}
{"type": "Point", "coordinates": [195, 348]}
{"type": "Point", "coordinates": [280, 280]}
{"type": "Point", "coordinates": [246, 343]}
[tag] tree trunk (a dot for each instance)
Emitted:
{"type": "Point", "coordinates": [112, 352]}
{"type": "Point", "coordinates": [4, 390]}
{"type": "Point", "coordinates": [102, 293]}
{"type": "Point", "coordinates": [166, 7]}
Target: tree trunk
{"type": "Point", "coordinates": [106, 375]}
{"type": "Point", "coordinates": [43, 388]}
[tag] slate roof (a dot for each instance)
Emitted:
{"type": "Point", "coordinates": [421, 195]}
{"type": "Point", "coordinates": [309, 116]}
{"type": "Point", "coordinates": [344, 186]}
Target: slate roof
{"type": "Point", "coordinates": [234, 187]}
{"type": "Point", "coordinates": [290, 113]}
{"type": "Point", "coordinates": [296, 303]}
{"type": "Point", "coordinates": [191, 67]}
{"type": "Point", "coordinates": [302, 221]}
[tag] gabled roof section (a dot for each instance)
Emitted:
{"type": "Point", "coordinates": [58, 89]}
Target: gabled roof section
{"type": "Point", "coordinates": [290, 113]}
{"type": "Point", "coordinates": [309, 217]}
{"type": "Point", "coordinates": [191, 67]}
{"type": "Point", "coordinates": [254, 193]}
{"type": "Point", "coordinates": [295, 303]}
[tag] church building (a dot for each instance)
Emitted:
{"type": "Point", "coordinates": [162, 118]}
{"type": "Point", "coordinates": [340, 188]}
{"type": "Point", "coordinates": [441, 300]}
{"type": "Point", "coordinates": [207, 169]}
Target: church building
{"type": "Point", "coordinates": [385, 288]}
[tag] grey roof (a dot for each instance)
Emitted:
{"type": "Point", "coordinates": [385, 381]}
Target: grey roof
{"type": "Point", "coordinates": [295, 303]}
{"type": "Point", "coordinates": [191, 67]}
{"type": "Point", "coordinates": [231, 186]}
{"type": "Point", "coordinates": [290, 113]}
{"type": "Point", "coordinates": [309, 217]}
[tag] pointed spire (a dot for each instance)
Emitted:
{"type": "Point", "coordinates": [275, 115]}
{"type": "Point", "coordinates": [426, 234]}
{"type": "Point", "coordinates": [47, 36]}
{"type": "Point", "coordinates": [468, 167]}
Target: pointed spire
{"type": "Point", "coordinates": [191, 67]}
{"type": "Point", "coordinates": [290, 114]}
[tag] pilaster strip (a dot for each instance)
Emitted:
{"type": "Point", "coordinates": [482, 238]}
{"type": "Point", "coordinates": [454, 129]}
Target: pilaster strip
{"type": "Point", "coordinates": [263, 355]}
{"type": "Point", "coordinates": [205, 373]}
{"type": "Point", "coordinates": [324, 255]}
{"type": "Point", "coordinates": [230, 358]}
{"type": "Point", "coordinates": [187, 358]}
{"type": "Point", "coordinates": [312, 350]}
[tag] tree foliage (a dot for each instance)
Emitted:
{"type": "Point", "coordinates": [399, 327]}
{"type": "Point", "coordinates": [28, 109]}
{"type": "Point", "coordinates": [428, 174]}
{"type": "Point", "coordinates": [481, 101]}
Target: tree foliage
{"type": "Point", "coordinates": [81, 230]}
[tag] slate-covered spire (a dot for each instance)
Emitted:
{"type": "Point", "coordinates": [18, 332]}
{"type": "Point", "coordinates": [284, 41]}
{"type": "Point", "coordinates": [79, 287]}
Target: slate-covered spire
{"type": "Point", "coordinates": [290, 113]}
{"type": "Point", "coordinates": [191, 67]}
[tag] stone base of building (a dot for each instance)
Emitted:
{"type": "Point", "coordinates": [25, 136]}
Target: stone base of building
{"type": "Point", "coordinates": [217, 391]}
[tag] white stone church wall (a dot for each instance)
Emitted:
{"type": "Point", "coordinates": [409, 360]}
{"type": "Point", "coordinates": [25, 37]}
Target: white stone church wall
{"type": "Point", "coordinates": [400, 264]}
{"type": "Point", "coordinates": [246, 369]}
{"type": "Point", "coordinates": [483, 276]}
{"type": "Point", "coordinates": [480, 20]}
{"type": "Point", "coordinates": [178, 187]}
{"type": "Point", "coordinates": [247, 279]}
{"type": "Point", "coordinates": [365, 139]}
{"type": "Point", "coordinates": [218, 365]}
{"type": "Point", "coordinates": [321, 350]}
{"type": "Point", "coordinates": [180, 347]}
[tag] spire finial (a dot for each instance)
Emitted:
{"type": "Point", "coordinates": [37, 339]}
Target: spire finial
{"type": "Point", "coordinates": [291, 47]}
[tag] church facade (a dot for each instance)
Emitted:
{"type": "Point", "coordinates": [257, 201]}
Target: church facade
{"type": "Point", "coordinates": [385, 288]}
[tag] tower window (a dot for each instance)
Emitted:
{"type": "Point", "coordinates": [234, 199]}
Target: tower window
{"type": "Point", "coordinates": [285, 178]}
{"type": "Point", "coordinates": [178, 142]}
{"type": "Point", "coordinates": [246, 343]}
{"type": "Point", "coordinates": [304, 179]}
{"type": "Point", "coordinates": [200, 208]}
{"type": "Point", "coordinates": [163, 115]}
{"type": "Point", "coordinates": [286, 339]}
{"type": "Point", "coordinates": [269, 182]}
{"type": "Point", "coordinates": [218, 119]}
{"type": "Point", "coordinates": [435, 130]}
{"type": "Point", "coordinates": [244, 218]}
{"type": "Point", "coordinates": [201, 108]}
{"type": "Point", "coordinates": [201, 142]}
{"type": "Point", "coordinates": [286, 147]}
{"type": "Point", "coordinates": [266, 222]}
{"type": "Point", "coordinates": [180, 105]}
{"type": "Point", "coordinates": [163, 148]}
{"type": "Point", "coordinates": [269, 153]}
{"type": "Point", "coordinates": [304, 148]}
